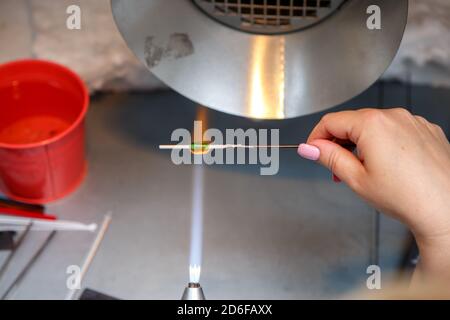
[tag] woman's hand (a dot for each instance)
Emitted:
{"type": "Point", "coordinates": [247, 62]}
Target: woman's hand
{"type": "Point", "coordinates": [401, 166]}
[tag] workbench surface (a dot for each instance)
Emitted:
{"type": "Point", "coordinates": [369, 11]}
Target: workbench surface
{"type": "Point", "coordinates": [290, 236]}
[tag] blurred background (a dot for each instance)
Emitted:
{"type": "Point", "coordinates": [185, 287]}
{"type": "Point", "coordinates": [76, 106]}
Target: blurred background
{"type": "Point", "coordinates": [99, 54]}
{"type": "Point", "coordinates": [291, 236]}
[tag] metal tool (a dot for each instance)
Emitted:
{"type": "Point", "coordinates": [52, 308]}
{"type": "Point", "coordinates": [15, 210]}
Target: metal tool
{"type": "Point", "coordinates": [14, 250]}
{"type": "Point", "coordinates": [30, 263]}
{"type": "Point", "coordinates": [7, 239]}
{"type": "Point", "coordinates": [193, 291]}
{"type": "Point", "coordinates": [14, 212]}
{"type": "Point", "coordinates": [8, 203]}
{"type": "Point", "coordinates": [47, 224]}
{"type": "Point", "coordinates": [267, 59]}
{"type": "Point", "coordinates": [205, 147]}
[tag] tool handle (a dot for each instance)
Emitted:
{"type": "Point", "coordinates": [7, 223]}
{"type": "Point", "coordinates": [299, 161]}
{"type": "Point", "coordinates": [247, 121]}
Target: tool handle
{"type": "Point", "coordinates": [26, 214]}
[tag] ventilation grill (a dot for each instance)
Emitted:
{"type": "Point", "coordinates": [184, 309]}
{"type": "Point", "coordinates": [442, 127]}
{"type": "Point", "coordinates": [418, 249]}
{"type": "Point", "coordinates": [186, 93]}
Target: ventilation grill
{"type": "Point", "coordinates": [269, 16]}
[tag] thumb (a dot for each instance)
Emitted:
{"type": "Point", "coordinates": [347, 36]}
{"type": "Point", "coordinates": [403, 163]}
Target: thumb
{"type": "Point", "coordinates": [340, 161]}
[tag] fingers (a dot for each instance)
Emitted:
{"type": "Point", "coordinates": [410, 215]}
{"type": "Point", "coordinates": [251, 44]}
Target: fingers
{"type": "Point", "coordinates": [342, 125]}
{"type": "Point", "coordinates": [328, 136]}
{"type": "Point", "coordinates": [339, 160]}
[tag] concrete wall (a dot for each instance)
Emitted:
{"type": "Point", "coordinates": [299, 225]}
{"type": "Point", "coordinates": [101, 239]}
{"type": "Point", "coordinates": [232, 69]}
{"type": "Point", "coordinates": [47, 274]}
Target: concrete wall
{"type": "Point", "coordinates": [37, 28]}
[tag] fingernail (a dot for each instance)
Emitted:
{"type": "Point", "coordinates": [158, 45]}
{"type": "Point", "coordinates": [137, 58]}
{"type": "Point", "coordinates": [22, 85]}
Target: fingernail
{"type": "Point", "coordinates": [309, 152]}
{"type": "Point", "coordinates": [336, 178]}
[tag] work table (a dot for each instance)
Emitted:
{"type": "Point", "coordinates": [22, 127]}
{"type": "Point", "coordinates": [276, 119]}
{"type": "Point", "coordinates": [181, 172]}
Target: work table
{"type": "Point", "coordinates": [290, 236]}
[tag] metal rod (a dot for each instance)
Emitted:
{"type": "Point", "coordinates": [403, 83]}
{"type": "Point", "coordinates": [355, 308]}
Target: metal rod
{"type": "Point", "coordinates": [14, 250]}
{"type": "Point", "coordinates": [52, 225]}
{"type": "Point", "coordinates": [228, 146]}
{"type": "Point", "coordinates": [409, 94]}
{"type": "Point", "coordinates": [7, 203]}
{"type": "Point", "coordinates": [375, 254]}
{"type": "Point", "coordinates": [30, 263]}
{"type": "Point", "coordinates": [376, 217]}
{"type": "Point", "coordinates": [21, 228]}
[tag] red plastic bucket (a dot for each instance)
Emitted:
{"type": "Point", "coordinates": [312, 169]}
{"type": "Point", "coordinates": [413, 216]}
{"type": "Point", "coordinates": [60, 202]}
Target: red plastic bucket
{"type": "Point", "coordinates": [42, 110]}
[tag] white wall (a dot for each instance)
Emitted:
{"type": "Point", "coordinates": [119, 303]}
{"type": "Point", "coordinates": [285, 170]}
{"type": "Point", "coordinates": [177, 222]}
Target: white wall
{"type": "Point", "coordinates": [425, 49]}
{"type": "Point", "coordinates": [37, 28]}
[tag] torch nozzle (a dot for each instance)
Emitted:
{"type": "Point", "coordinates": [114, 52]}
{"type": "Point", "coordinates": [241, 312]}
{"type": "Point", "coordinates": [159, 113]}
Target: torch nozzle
{"type": "Point", "coordinates": [193, 291]}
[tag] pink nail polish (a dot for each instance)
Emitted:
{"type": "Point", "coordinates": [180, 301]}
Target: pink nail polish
{"type": "Point", "coordinates": [309, 152]}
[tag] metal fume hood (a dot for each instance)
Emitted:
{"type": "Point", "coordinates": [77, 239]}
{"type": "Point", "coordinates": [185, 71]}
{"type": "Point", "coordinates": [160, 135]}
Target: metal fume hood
{"type": "Point", "coordinates": [266, 59]}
